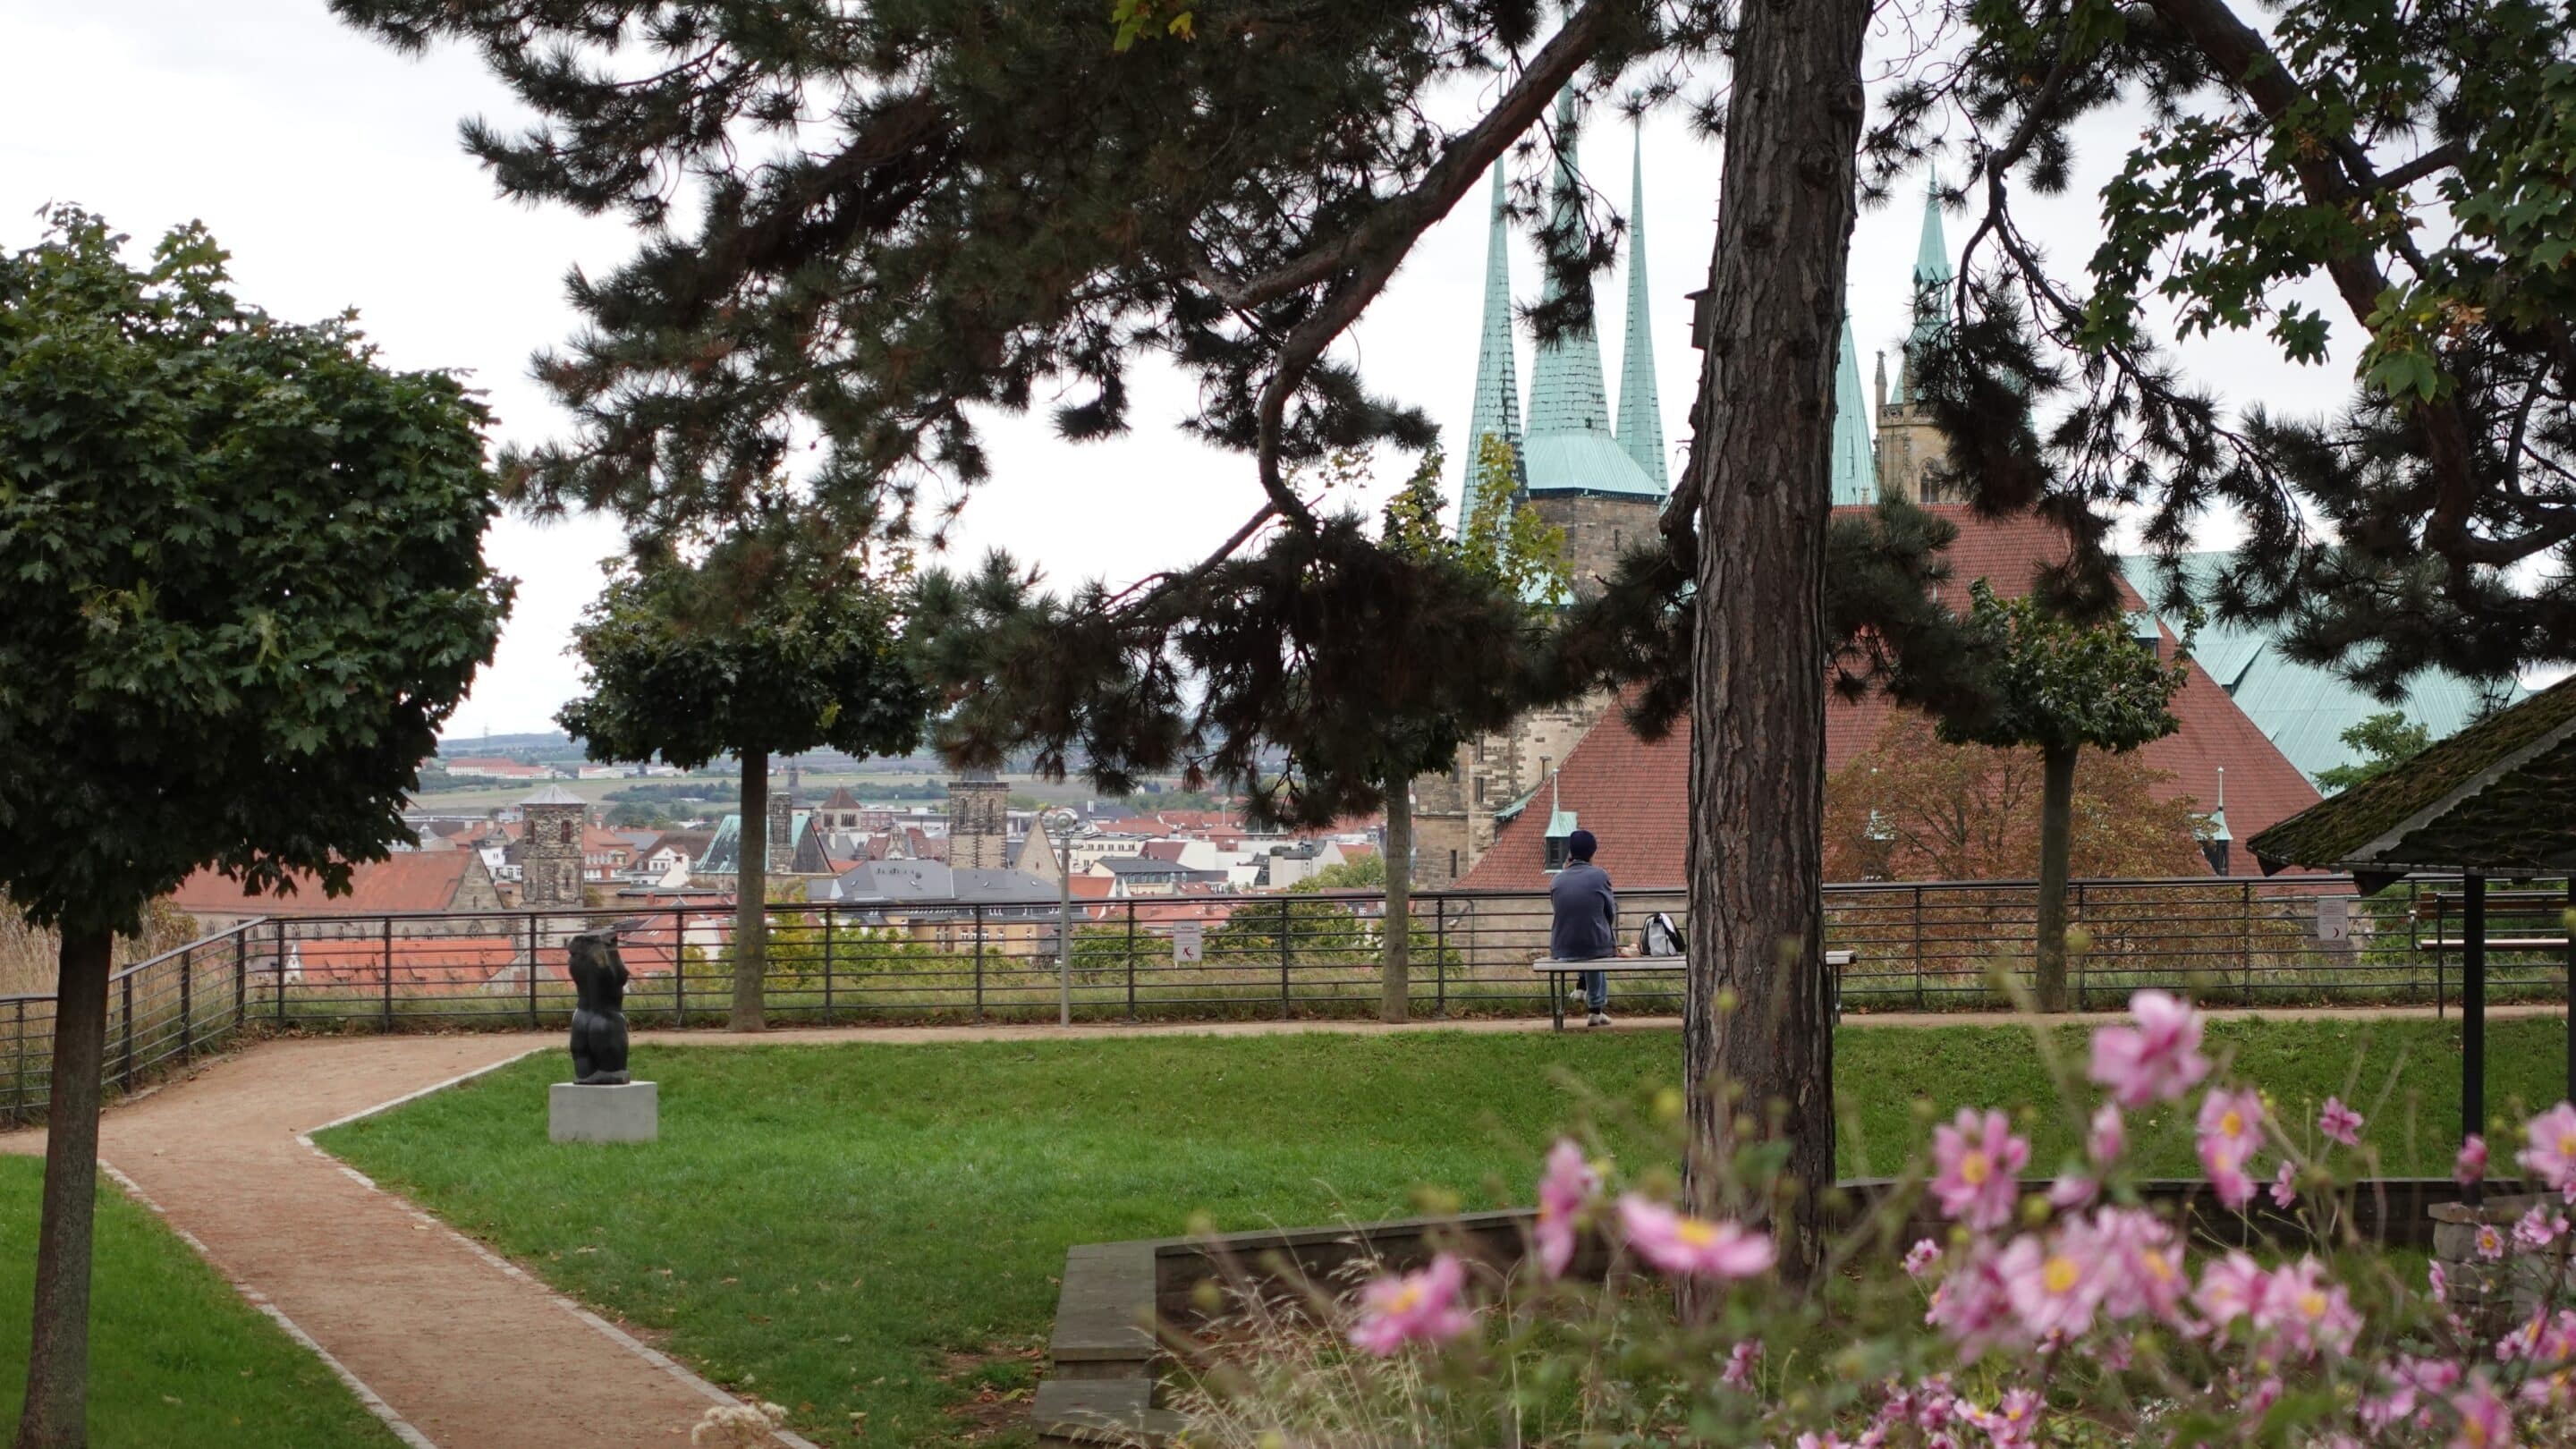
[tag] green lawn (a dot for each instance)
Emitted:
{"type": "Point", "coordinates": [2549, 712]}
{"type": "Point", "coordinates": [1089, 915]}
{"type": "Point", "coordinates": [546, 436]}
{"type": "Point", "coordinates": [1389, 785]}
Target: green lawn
{"type": "Point", "coordinates": [177, 1359]}
{"type": "Point", "coordinates": [875, 1228]}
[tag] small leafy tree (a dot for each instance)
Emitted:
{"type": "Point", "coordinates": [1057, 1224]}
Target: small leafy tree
{"type": "Point", "coordinates": [241, 569]}
{"type": "Point", "coordinates": [2060, 686]}
{"type": "Point", "coordinates": [774, 642]}
{"type": "Point", "coordinates": [2386, 740]}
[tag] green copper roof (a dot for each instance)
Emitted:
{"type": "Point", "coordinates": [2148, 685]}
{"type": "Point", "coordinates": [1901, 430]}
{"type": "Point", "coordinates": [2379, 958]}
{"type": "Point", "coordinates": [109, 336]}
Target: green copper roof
{"type": "Point", "coordinates": [2499, 797]}
{"type": "Point", "coordinates": [1497, 410]}
{"type": "Point", "coordinates": [1855, 466]}
{"type": "Point", "coordinates": [2305, 708]}
{"type": "Point", "coordinates": [1932, 274]}
{"type": "Point", "coordinates": [1566, 393]}
{"type": "Point", "coordinates": [1641, 422]}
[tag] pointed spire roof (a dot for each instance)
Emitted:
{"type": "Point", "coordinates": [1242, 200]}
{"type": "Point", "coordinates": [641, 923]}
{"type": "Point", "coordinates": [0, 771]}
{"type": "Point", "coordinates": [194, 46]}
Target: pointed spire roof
{"type": "Point", "coordinates": [1641, 419]}
{"type": "Point", "coordinates": [1566, 391]}
{"type": "Point", "coordinates": [1932, 276]}
{"type": "Point", "coordinates": [1570, 448]}
{"type": "Point", "coordinates": [1855, 465]}
{"type": "Point", "coordinates": [1497, 410]}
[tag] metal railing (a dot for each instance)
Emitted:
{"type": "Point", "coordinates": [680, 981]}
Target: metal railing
{"type": "Point", "coordinates": [1917, 946]}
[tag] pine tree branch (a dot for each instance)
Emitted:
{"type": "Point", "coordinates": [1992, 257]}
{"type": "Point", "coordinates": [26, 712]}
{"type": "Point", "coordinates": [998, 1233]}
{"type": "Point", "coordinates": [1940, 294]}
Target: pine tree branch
{"type": "Point", "coordinates": [2240, 55]}
{"type": "Point", "coordinates": [1398, 221]}
{"type": "Point", "coordinates": [1408, 217]}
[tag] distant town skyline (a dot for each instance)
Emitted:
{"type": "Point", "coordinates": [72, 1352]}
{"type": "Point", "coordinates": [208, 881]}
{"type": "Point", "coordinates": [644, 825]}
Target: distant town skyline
{"type": "Point", "coordinates": [329, 165]}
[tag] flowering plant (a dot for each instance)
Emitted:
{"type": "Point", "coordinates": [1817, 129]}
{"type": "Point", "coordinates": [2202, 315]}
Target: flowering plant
{"type": "Point", "coordinates": [2078, 1312]}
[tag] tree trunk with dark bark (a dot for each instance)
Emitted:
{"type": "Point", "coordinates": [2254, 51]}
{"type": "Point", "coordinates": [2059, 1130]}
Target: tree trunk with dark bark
{"type": "Point", "coordinates": [56, 1415]}
{"type": "Point", "coordinates": [2056, 832]}
{"type": "Point", "coordinates": [1394, 1005]}
{"type": "Point", "coordinates": [751, 894]}
{"type": "Point", "coordinates": [1757, 1037]}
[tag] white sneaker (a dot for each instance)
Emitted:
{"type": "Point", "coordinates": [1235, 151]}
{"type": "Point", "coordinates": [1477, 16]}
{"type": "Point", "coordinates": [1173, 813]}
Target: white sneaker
{"type": "Point", "coordinates": [1599, 1018]}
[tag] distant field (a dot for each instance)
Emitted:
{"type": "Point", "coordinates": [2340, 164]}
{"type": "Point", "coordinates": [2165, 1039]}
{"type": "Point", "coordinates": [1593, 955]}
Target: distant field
{"type": "Point", "coordinates": [812, 787]}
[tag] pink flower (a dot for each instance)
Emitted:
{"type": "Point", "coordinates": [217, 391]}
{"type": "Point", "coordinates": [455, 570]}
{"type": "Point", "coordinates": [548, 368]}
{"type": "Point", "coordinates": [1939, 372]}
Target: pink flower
{"type": "Point", "coordinates": [2144, 1264]}
{"type": "Point", "coordinates": [2307, 1309]}
{"type": "Point", "coordinates": [2054, 1286]}
{"type": "Point", "coordinates": [2490, 1242]}
{"type": "Point", "coordinates": [2156, 1060]}
{"type": "Point", "coordinates": [1564, 1190]}
{"type": "Point", "coordinates": [2471, 1165]}
{"type": "Point", "coordinates": [2538, 1228]}
{"type": "Point", "coordinates": [2109, 1137]}
{"type": "Point", "coordinates": [1741, 1362]}
{"type": "Point", "coordinates": [2285, 1185]}
{"type": "Point", "coordinates": [2552, 1153]}
{"type": "Point", "coordinates": [1979, 1162]}
{"type": "Point", "coordinates": [2235, 1119]}
{"type": "Point", "coordinates": [1920, 1258]}
{"type": "Point", "coordinates": [2012, 1423]}
{"type": "Point", "coordinates": [2226, 1171]}
{"type": "Point", "coordinates": [2438, 1283]}
{"type": "Point", "coordinates": [2485, 1421]}
{"type": "Point", "coordinates": [1972, 1306]}
{"type": "Point", "coordinates": [2340, 1122]}
{"type": "Point", "coordinates": [2072, 1192]}
{"type": "Point", "coordinates": [1418, 1307]}
{"type": "Point", "coordinates": [1693, 1247]}
{"type": "Point", "coordinates": [2230, 1288]}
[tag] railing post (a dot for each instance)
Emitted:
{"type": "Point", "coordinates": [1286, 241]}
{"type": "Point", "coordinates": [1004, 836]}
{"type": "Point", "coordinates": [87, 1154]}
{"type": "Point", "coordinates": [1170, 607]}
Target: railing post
{"type": "Point", "coordinates": [1918, 948]}
{"type": "Point", "coordinates": [979, 963]}
{"type": "Point", "coordinates": [1440, 956]}
{"type": "Point", "coordinates": [2245, 934]}
{"type": "Point", "coordinates": [2083, 968]}
{"type": "Point", "coordinates": [1283, 958]}
{"type": "Point", "coordinates": [127, 987]}
{"type": "Point", "coordinates": [187, 1005]}
{"type": "Point", "coordinates": [279, 957]}
{"type": "Point", "coordinates": [20, 1101]}
{"type": "Point", "coordinates": [827, 963]}
{"type": "Point", "coordinates": [679, 966]}
{"type": "Point", "coordinates": [389, 973]}
{"type": "Point", "coordinates": [1131, 966]}
{"type": "Point", "coordinates": [241, 978]}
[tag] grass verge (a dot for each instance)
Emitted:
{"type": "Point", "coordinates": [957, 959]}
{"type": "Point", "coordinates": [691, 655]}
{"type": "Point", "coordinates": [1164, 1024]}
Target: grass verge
{"type": "Point", "coordinates": [868, 1234]}
{"type": "Point", "coordinates": [177, 1359]}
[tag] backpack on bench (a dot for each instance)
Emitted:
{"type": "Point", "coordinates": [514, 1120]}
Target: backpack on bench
{"type": "Point", "coordinates": [1660, 937]}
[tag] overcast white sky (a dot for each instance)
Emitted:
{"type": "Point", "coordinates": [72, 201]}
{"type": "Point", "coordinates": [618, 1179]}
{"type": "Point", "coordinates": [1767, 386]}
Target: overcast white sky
{"type": "Point", "coordinates": [329, 166]}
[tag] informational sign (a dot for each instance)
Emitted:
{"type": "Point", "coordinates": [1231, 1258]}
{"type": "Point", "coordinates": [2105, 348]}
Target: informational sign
{"type": "Point", "coordinates": [2334, 918]}
{"type": "Point", "coordinates": [1189, 943]}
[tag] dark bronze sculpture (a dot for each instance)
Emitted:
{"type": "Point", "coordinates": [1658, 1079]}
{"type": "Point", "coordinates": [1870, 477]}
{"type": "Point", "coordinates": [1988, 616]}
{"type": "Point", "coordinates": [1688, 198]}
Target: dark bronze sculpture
{"type": "Point", "coordinates": [599, 1021]}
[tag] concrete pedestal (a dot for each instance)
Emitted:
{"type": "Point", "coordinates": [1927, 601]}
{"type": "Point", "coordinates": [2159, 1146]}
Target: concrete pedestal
{"type": "Point", "coordinates": [629, 1113]}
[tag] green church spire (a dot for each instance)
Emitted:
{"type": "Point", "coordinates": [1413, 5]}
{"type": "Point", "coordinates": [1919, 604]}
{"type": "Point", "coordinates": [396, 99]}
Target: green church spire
{"type": "Point", "coordinates": [1641, 420]}
{"type": "Point", "coordinates": [1932, 276]}
{"type": "Point", "coordinates": [1855, 466]}
{"type": "Point", "coordinates": [1497, 410]}
{"type": "Point", "coordinates": [1566, 392]}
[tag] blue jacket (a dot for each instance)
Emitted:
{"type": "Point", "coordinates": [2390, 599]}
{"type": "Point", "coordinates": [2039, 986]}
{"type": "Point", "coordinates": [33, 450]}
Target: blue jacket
{"type": "Point", "coordinates": [1587, 914]}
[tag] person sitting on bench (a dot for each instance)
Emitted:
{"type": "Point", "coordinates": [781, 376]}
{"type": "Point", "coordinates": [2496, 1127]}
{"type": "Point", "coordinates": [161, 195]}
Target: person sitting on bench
{"type": "Point", "coordinates": [1586, 925]}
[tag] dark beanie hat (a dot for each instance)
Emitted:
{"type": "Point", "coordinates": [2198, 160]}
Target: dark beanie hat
{"type": "Point", "coordinates": [1580, 845]}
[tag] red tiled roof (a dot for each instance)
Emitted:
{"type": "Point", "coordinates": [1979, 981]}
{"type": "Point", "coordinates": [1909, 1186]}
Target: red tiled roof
{"type": "Point", "coordinates": [1634, 794]}
{"type": "Point", "coordinates": [1087, 887]}
{"type": "Point", "coordinates": [417, 963]}
{"type": "Point", "coordinates": [413, 880]}
{"type": "Point", "coordinates": [1168, 850]}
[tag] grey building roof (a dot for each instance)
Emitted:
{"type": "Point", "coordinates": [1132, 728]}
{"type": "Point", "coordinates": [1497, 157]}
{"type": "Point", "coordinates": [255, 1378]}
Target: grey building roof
{"type": "Point", "coordinates": [932, 883]}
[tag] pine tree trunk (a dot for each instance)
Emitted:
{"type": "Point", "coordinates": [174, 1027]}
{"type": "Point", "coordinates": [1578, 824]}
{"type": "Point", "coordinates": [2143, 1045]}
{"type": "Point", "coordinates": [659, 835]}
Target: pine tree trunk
{"type": "Point", "coordinates": [2056, 831]}
{"type": "Point", "coordinates": [751, 894]}
{"type": "Point", "coordinates": [1759, 1021]}
{"type": "Point", "coordinates": [57, 1409]}
{"type": "Point", "coordinates": [1399, 899]}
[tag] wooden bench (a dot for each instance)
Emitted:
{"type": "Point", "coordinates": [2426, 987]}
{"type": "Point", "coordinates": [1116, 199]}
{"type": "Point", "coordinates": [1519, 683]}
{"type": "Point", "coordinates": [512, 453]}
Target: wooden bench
{"type": "Point", "coordinates": [1557, 973]}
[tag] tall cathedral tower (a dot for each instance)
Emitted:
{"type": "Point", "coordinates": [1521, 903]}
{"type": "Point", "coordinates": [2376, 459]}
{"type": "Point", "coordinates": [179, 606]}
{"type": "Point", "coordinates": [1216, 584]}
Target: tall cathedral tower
{"type": "Point", "coordinates": [979, 821]}
{"type": "Point", "coordinates": [550, 848]}
{"type": "Point", "coordinates": [1603, 484]}
{"type": "Point", "coordinates": [1909, 446]}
